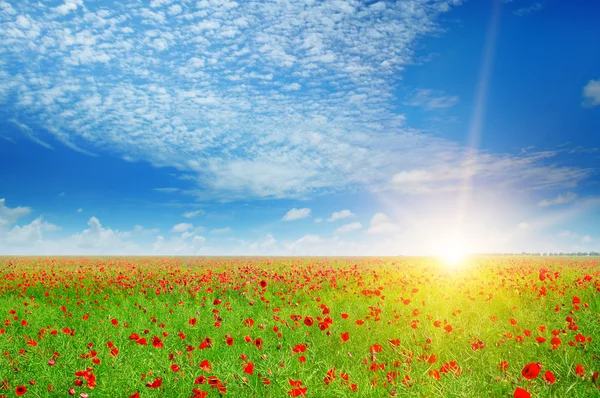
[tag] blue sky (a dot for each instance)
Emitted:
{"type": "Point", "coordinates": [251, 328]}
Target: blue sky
{"type": "Point", "coordinates": [299, 127]}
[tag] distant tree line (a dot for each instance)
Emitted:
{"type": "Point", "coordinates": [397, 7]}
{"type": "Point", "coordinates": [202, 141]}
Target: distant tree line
{"type": "Point", "coordinates": [560, 254]}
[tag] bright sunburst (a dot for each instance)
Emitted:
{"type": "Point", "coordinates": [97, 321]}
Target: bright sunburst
{"type": "Point", "coordinates": [454, 257]}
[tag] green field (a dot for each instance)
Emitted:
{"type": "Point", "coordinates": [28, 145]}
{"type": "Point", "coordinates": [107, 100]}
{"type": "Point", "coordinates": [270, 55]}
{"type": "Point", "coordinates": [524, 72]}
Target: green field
{"type": "Point", "coordinates": [314, 327]}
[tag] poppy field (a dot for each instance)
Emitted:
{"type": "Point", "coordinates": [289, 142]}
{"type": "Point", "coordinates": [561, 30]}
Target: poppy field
{"type": "Point", "coordinates": [300, 327]}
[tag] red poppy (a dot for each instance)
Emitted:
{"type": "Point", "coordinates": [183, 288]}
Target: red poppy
{"type": "Point", "coordinates": [155, 384]}
{"type": "Point", "coordinates": [309, 321]}
{"type": "Point", "coordinates": [299, 348]}
{"type": "Point", "coordinates": [329, 377]}
{"type": "Point", "coordinates": [205, 365]}
{"type": "Point", "coordinates": [579, 370]}
{"type": "Point", "coordinates": [297, 389]}
{"type": "Point", "coordinates": [345, 336]}
{"type": "Point", "coordinates": [520, 393]}
{"type": "Point", "coordinates": [531, 370]}
{"type": "Point", "coordinates": [157, 342]}
{"type": "Point", "coordinates": [175, 368]}
{"type": "Point", "coordinates": [549, 377]}
{"type": "Point", "coordinates": [249, 368]}
{"type": "Point", "coordinates": [200, 380]}
{"type": "Point", "coordinates": [263, 283]}
{"type": "Point", "coordinates": [434, 373]}
{"type": "Point", "coordinates": [20, 390]}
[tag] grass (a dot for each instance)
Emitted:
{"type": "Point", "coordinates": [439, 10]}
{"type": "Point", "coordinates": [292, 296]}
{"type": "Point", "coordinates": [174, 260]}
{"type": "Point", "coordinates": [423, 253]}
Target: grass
{"type": "Point", "coordinates": [395, 298]}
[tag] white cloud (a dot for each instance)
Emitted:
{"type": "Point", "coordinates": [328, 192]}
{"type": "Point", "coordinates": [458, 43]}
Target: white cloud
{"type": "Point", "coordinates": [220, 230]}
{"type": "Point", "coordinates": [523, 225]}
{"type": "Point", "coordinates": [431, 99]}
{"type": "Point", "coordinates": [68, 6]}
{"type": "Point", "coordinates": [97, 239]}
{"type": "Point", "coordinates": [381, 224]}
{"type": "Point", "coordinates": [9, 216]}
{"type": "Point", "coordinates": [537, 6]}
{"type": "Point", "coordinates": [591, 93]}
{"type": "Point", "coordinates": [29, 234]}
{"type": "Point", "coordinates": [348, 228]}
{"type": "Point", "coordinates": [286, 101]}
{"type": "Point", "coordinates": [560, 199]}
{"type": "Point", "coordinates": [296, 214]}
{"type": "Point", "coordinates": [182, 227]}
{"type": "Point", "coordinates": [192, 214]}
{"type": "Point", "coordinates": [567, 234]}
{"type": "Point", "coordinates": [138, 229]}
{"type": "Point", "coordinates": [338, 215]}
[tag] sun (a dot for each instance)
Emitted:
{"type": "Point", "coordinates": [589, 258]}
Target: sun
{"type": "Point", "coordinates": [454, 257]}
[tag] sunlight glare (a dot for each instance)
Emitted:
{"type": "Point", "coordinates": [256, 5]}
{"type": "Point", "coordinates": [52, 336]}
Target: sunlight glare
{"type": "Point", "coordinates": [454, 257]}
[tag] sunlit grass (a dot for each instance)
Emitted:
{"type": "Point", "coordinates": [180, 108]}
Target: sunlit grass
{"type": "Point", "coordinates": [414, 308]}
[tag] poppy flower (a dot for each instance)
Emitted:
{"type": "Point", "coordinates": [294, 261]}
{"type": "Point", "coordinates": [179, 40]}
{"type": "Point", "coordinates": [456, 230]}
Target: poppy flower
{"type": "Point", "coordinates": [175, 368]}
{"type": "Point", "coordinates": [579, 370]}
{"type": "Point", "coordinates": [155, 384]}
{"type": "Point", "coordinates": [434, 373]}
{"type": "Point", "coordinates": [309, 321]}
{"type": "Point", "coordinates": [521, 393]}
{"type": "Point", "coordinates": [249, 368]}
{"type": "Point", "coordinates": [549, 377]}
{"type": "Point", "coordinates": [299, 348]}
{"type": "Point", "coordinates": [345, 336]}
{"type": "Point", "coordinates": [531, 370]}
{"type": "Point", "coordinates": [200, 380]}
{"type": "Point", "coordinates": [329, 377]}
{"type": "Point", "coordinates": [20, 390]}
{"type": "Point", "coordinates": [205, 365]}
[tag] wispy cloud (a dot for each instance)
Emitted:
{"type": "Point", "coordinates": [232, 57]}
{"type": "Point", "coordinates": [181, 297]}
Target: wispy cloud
{"type": "Point", "coordinates": [431, 99]}
{"type": "Point", "coordinates": [348, 228]}
{"type": "Point", "coordinates": [264, 99]}
{"type": "Point", "coordinates": [296, 214]}
{"type": "Point", "coordinates": [560, 199]}
{"type": "Point", "coordinates": [28, 132]}
{"type": "Point", "coordinates": [192, 214]}
{"type": "Point", "coordinates": [537, 6]}
{"type": "Point", "coordinates": [224, 230]}
{"type": "Point", "coordinates": [182, 227]}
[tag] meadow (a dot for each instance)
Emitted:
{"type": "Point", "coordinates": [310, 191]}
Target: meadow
{"type": "Point", "coordinates": [314, 327]}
